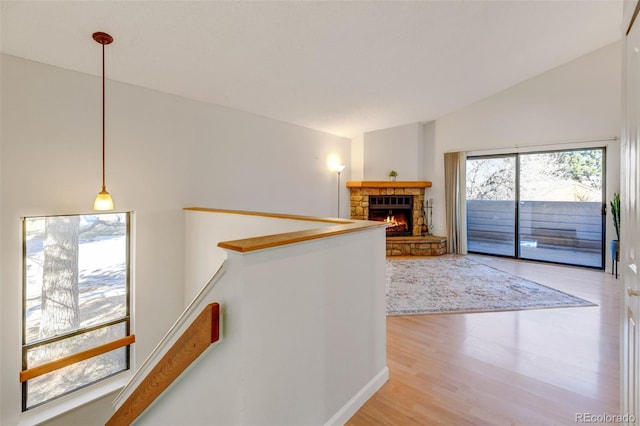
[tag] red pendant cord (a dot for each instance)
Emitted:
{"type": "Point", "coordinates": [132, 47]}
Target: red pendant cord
{"type": "Point", "coordinates": [103, 120]}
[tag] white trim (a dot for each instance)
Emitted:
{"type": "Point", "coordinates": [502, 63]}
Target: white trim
{"type": "Point", "coordinates": [536, 147]}
{"type": "Point", "coordinates": [358, 400]}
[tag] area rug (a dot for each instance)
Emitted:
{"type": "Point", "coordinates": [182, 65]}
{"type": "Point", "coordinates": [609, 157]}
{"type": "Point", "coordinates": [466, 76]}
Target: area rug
{"type": "Point", "coordinates": [461, 285]}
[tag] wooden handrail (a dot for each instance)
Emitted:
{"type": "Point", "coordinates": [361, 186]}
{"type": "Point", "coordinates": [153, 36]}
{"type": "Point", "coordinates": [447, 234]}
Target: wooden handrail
{"type": "Point", "coordinates": [335, 227]}
{"type": "Point", "coordinates": [269, 241]}
{"type": "Point", "coordinates": [72, 359]}
{"type": "Point", "coordinates": [202, 332]}
{"type": "Point", "coordinates": [271, 215]}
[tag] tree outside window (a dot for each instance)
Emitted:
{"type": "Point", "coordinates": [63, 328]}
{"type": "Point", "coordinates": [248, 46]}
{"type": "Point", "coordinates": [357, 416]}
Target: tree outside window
{"type": "Point", "coordinates": [75, 298]}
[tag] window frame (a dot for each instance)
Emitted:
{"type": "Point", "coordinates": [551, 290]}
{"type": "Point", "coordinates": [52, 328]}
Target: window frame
{"type": "Point", "coordinates": [126, 319]}
{"type": "Point", "coordinates": [518, 154]}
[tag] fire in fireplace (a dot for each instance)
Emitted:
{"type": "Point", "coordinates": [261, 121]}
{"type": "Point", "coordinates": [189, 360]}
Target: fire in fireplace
{"type": "Point", "coordinates": [396, 210]}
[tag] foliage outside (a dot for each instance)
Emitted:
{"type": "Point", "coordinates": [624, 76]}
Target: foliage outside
{"type": "Point", "coordinates": [550, 176]}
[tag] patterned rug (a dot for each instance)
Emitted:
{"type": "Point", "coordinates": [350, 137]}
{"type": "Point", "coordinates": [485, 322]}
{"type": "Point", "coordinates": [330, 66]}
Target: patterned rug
{"type": "Point", "coordinates": [458, 284]}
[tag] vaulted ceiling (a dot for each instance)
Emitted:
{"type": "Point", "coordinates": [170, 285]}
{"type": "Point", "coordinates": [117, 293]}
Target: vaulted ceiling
{"type": "Point", "coordinates": [342, 67]}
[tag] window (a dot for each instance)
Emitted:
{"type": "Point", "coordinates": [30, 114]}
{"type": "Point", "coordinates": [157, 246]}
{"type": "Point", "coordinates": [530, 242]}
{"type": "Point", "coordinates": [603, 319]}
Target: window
{"type": "Point", "coordinates": [76, 325]}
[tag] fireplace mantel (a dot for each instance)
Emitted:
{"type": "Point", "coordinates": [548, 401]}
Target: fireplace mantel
{"type": "Point", "coordinates": [388, 184]}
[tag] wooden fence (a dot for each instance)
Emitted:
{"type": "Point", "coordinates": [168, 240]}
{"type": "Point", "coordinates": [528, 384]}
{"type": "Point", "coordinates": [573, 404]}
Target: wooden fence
{"type": "Point", "coordinates": [544, 223]}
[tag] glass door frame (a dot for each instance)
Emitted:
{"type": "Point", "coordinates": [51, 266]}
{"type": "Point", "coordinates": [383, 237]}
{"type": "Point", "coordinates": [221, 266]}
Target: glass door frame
{"type": "Point", "coordinates": [517, 248]}
{"type": "Point", "coordinates": [514, 206]}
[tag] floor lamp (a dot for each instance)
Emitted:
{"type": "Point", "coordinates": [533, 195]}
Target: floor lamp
{"type": "Point", "coordinates": [338, 168]}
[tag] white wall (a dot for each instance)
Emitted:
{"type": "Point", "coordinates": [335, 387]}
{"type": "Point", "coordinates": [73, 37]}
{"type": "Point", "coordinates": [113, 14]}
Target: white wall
{"type": "Point", "coordinates": [304, 339]}
{"type": "Point", "coordinates": [357, 158]}
{"type": "Point", "coordinates": [399, 148]}
{"type": "Point", "coordinates": [205, 229]}
{"type": "Point", "coordinates": [163, 153]}
{"type": "Point", "coordinates": [2, 314]}
{"type": "Point", "coordinates": [576, 101]}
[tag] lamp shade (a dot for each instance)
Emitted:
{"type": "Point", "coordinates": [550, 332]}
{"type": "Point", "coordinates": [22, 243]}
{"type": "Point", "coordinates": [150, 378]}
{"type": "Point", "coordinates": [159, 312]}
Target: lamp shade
{"type": "Point", "coordinates": [337, 167]}
{"type": "Point", "coordinates": [103, 202]}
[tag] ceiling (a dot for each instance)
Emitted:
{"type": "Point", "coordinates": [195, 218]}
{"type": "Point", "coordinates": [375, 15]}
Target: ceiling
{"type": "Point", "coordinates": [340, 67]}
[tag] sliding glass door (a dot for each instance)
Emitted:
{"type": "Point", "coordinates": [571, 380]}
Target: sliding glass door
{"type": "Point", "coordinates": [542, 206]}
{"type": "Point", "coordinates": [491, 198]}
{"type": "Point", "coordinates": [561, 207]}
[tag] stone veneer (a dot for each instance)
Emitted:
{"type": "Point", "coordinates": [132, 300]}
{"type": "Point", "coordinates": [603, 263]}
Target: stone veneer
{"type": "Point", "coordinates": [414, 245]}
{"type": "Point", "coordinates": [427, 245]}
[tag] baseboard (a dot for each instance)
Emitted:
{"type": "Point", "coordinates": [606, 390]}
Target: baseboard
{"type": "Point", "coordinates": [358, 400]}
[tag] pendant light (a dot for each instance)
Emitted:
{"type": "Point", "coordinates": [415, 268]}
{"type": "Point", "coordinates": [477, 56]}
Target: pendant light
{"type": "Point", "coordinates": [103, 200]}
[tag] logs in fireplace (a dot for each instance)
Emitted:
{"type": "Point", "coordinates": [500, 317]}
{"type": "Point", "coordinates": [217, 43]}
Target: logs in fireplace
{"type": "Point", "coordinates": [396, 210]}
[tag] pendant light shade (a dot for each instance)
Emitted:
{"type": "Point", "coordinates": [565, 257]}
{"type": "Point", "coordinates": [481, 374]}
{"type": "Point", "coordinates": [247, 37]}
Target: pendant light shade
{"type": "Point", "coordinates": [103, 201]}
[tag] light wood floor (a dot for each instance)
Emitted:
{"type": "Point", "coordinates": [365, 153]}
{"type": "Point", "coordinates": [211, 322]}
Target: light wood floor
{"type": "Point", "coordinates": [536, 367]}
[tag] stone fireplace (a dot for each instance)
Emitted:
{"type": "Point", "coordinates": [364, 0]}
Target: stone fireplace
{"type": "Point", "coordinates": [401, 205]}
